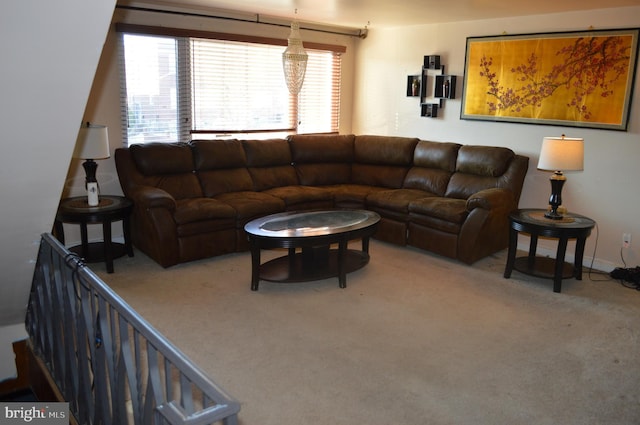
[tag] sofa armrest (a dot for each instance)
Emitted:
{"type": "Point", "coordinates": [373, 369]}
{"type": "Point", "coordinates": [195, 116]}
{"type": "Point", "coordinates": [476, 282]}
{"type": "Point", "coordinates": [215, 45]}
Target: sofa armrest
{"type": "Point", "coordinates": [490, 199]}
{"type": "Point", "coordinates": [148, 197]}
{"type": "Point", "coordinates": [486, 228]}
{"type": "Point", "coordinates": [154, 230]}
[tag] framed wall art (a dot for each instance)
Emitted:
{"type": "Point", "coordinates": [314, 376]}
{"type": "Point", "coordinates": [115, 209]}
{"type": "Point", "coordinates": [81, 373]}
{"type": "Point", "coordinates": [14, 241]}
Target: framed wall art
{"type": "Point", "coordinates": [579, 79]}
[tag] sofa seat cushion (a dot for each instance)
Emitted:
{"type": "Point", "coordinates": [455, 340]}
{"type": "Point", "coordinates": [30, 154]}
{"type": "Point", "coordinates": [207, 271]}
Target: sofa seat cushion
{"type": "Point", "coordinates": [200, 209]}
{"type": "Point", "coordinates": [249, 205]}
{"type": "Point", "coordinates": [296, 195]}
{"type": "Point", "coordinates": [395, 199]}
{"type": "Point", "coordinates": [451, 211]}
{"type": "Point", "coordinates": [352, 195]}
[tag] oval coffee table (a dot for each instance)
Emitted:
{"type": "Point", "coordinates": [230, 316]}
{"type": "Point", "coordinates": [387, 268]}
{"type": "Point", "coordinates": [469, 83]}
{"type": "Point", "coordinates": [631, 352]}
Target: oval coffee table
{"type": "Point", "coordinates": [313, 232]}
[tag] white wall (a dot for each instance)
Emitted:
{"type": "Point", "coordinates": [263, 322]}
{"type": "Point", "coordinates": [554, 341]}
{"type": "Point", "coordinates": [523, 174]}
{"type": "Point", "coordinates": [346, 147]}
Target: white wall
{"type": "Point", "coordinates": [49, 54]}
{"type": "Point", "coordinates": [607, 189]}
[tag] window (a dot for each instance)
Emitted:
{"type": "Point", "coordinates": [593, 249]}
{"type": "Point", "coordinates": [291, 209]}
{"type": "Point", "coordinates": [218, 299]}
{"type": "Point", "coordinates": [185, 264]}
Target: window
{"type": "Point", "coordinates": [176, 86]}
{"type": "Point", "coordinates": [151, 103]}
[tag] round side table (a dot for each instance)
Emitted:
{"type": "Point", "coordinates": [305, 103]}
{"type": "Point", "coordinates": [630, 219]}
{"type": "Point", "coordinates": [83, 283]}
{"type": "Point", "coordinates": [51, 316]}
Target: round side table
{"type": "Point", "coordinates": [109, 209]}
{"type": "Point", "coordinates": [533, 222]}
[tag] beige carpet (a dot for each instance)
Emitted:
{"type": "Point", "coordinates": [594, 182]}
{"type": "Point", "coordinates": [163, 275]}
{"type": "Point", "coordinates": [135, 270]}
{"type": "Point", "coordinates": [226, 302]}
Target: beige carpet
{"type": "Point", "coordinates": [413, 339]}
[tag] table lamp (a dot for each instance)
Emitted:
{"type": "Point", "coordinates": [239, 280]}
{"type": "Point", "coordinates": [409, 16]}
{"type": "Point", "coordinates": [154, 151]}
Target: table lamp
{"type": "Point", "coordinates": [560, 154]}
{"type": "Point", "coordinates": [92, 144]}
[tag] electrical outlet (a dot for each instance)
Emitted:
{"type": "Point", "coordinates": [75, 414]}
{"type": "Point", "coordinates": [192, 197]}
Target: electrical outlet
{"type": "Point", "coordinates": [626, 240]}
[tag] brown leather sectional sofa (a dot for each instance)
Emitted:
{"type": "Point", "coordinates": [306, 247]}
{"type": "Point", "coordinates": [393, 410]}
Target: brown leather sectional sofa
{"type": "Point", "coordinates": [192, 200]}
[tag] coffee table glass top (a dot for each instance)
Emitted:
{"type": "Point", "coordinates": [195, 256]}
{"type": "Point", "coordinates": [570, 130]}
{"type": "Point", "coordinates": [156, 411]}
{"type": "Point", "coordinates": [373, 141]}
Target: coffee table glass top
{"type": "Point", "coordinates": [311, 223]}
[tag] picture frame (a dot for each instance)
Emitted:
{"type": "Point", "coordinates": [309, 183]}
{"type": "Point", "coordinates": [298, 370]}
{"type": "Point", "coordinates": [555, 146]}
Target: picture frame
{"type": "Point", "coordinates": [576, 79]}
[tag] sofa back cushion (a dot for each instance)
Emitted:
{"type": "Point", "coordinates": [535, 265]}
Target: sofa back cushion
{"type": "Point", "coordinates": [382, 161]}
{"type": "Point", "coordinates": [167, 166]}
{"type": "Point", "coordinates": [433, 164]}
{"type": "Point", "coordinates": [269, 163]}
{"type": "Point", "coordinates": [221, 166]}
{"type": "Point", "coordinates": [479, 168]}
{"type": "Point", "coordinates": [322, 159]}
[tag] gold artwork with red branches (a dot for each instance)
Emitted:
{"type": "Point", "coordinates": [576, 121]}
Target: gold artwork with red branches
{"type": "Point", "coordinates": [582, 79]}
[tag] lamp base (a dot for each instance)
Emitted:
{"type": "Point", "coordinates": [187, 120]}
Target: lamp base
{"type": "Point", "coordinates": [559, 213]}
{"type": "Point", "coordinates": [557, 180]}
{"type": "Point", "coordinates": [90, 168]}
{"type": "Point", "coordinates": [554, 215]}
{"type": "Point", "coordinates": [91, 183]}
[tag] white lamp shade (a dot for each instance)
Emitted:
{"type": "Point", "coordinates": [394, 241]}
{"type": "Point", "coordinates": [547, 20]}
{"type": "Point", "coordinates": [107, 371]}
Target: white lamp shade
{"type": "Point", "coordinates": [561, 154]}
{"type": "Point", "coordinates": [92, 143]}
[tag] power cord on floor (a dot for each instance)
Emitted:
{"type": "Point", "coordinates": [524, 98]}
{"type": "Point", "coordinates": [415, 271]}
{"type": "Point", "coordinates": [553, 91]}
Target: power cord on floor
{"type": "Point", "coordinates": [628, 277]}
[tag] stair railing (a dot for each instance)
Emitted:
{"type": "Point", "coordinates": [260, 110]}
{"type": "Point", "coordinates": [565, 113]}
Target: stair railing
{"type": "Point", "coordinates": [106, 360]}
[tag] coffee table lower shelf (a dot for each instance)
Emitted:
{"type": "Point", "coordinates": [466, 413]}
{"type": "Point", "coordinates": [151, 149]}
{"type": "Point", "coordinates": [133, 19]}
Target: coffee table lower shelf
{"type": "Point", "coordinates": [299, 267]}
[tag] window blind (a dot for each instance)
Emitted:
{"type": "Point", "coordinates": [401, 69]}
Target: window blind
{"type": "Point", "coordinates": [238, 86]}
{"type": "Point", "coordinates": [317, 111]}
{"type": "Point", "coordinates": [176, 87]}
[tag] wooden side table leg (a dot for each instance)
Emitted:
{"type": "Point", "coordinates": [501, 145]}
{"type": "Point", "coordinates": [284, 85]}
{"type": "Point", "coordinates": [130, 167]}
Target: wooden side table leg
{"type": "Point", "coordinates": [108, 252]}
{"type": "Point", "coordinates": [58, 231]}
{"type": "Point", "coordinates": [126, 232]}
{"type": "Point", "coordinates": [84, 240]}
{"type": "Point", "coordinates": [577, 265]}
{"type": "Point", "coordinates": [511, 256]}
{"type": "Point", "coordinates": [557, 275]}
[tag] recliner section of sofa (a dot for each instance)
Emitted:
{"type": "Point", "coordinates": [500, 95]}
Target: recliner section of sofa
{"type": "Point", "coordinates": [192, 200]}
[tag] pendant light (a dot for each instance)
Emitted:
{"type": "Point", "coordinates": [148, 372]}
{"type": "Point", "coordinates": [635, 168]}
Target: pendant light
{"type": "Point", "coordinates": [294, 60]}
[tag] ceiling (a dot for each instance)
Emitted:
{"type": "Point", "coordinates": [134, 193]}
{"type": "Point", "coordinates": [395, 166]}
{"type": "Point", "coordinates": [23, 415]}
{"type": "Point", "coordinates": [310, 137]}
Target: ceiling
{"type": "Point", "coordinates": [384, 13]}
